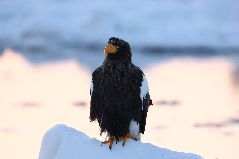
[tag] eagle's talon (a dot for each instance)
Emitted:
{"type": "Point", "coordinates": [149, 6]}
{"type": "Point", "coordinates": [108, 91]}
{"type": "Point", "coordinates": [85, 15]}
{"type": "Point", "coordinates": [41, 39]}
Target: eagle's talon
{"type": "Point", "coordinates": [110, 141]}
{"type": "Point", "coordinates": [126, 137]}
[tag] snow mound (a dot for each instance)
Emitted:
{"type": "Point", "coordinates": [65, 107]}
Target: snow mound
{"type": "Point", "coordinates": [62, 142]}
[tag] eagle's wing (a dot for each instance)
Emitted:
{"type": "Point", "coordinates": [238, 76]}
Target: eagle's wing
{"type": "Point", "coordinates": [95, 107]}
{"type": "Point", "coordinates": [144, 97]}
{"type": "Point", "coordinates": [146, 102]}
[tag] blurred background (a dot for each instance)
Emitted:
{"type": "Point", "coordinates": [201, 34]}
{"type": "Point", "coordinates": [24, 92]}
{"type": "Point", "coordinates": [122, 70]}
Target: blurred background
{"type": "Point", "coordinates": [188, 49]}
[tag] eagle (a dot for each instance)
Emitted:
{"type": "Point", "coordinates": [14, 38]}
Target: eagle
{"type": "Point", "coordinates": [119, 95]}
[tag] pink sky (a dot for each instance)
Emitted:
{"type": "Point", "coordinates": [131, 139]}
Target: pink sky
{"type": "Point", "coordinates": [36, 97]}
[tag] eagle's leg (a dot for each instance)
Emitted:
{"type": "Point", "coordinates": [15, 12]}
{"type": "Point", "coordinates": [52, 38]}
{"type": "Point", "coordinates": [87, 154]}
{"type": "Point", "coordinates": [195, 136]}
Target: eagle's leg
{"type": "Point", "coordinates": [126, 137]}
{"type": "Point", "coordinates": [110, 141]}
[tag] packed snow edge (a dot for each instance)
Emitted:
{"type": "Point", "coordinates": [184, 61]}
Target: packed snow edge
{"type": "Point", "coordinates": [63, 142]}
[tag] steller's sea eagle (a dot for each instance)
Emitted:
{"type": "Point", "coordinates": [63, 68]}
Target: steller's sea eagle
{"type": "Point", "coordinates": [119, 95]}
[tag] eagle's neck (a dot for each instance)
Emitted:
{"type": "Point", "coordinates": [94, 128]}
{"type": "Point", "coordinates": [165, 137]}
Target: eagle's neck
{"type": "Point", "coordinates": [115, 65]}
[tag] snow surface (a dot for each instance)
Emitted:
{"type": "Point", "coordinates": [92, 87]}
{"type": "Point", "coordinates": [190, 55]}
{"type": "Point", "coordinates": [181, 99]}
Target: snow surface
{"type": "Point", "coordinates": [78, 23]}
{"type": "Point", "coordinates": [62, 142]}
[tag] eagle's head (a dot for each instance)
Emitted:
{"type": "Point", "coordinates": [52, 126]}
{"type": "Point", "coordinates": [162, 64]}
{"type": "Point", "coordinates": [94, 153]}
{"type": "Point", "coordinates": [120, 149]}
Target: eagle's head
{"type": "Point", "coordinates": [117, 49]}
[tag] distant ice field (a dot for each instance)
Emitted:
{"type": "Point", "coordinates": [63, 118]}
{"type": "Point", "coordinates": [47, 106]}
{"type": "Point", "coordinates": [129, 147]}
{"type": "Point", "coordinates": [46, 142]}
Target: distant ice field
{"type": "Point", "coordinates": [55, 24]}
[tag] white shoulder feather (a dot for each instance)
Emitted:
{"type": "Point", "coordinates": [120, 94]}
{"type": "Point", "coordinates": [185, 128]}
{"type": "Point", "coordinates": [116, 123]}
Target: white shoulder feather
{"type": "Point", "coordinates": [144, 89]}
{"type": "Point", "coordinates": [91, 87]}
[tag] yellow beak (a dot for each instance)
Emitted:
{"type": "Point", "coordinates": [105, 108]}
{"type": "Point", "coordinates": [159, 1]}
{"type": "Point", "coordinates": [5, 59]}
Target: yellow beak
{"type": "Point", "coordinates": [110, 49]}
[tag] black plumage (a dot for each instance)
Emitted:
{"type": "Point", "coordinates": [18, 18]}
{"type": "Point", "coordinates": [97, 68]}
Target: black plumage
{"type": "Point", "coordinates": [116, 92]}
